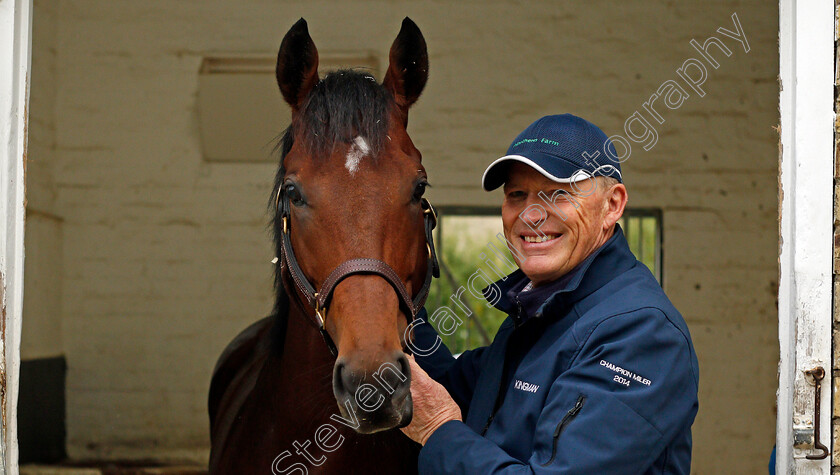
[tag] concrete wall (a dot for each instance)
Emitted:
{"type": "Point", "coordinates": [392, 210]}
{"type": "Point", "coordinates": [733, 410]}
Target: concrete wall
{"type": "Point", "coordinates": [165, 256]}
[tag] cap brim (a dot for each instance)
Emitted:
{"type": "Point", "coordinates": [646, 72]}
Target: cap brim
{"type": "Point", "coordinates": [495, 177]}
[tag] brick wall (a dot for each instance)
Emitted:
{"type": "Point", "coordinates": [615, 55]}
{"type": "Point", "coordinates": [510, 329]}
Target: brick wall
{"type": "Point", "coordinates": [165, 256]}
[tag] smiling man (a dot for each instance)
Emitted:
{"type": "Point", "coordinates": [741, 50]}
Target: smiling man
{"type": "Point", "coordinates": [594, 370]}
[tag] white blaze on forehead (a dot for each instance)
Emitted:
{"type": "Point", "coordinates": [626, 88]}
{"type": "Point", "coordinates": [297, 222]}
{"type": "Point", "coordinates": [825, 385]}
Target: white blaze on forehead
{"type": "Point", "coordinates": [358, 150]}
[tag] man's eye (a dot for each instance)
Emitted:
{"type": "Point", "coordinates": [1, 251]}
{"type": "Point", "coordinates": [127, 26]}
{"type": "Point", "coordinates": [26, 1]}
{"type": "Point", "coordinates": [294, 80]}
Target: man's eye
{"type": "Point", "coordinates": [516, 194]}
{"type": "Point", "coordinates": [294, 195]}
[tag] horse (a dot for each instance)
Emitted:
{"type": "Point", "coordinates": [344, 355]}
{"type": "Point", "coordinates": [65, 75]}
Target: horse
{"type": "Point", "coordinates": [322, 385]}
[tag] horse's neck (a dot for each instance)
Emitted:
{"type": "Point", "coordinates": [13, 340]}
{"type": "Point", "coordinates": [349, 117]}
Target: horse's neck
{"type": "Point", "coordinates": [304, 349]}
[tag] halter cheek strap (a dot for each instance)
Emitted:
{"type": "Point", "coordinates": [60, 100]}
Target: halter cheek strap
{"type": "Point", "coordinates": [319, 299]}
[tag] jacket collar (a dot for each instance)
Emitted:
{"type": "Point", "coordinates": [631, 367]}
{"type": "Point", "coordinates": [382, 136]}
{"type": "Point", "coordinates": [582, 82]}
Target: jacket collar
{"type": "Point", "coordinates": [600, 267]}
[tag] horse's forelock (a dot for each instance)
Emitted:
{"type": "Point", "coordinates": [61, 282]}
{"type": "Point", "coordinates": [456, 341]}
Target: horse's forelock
{"type": "Point", "coordinates": [344, 105]}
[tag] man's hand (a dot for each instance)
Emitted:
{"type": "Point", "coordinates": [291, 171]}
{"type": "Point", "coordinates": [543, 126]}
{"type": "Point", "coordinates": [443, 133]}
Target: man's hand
{"type": "Point", "coordinates": [433, 406]}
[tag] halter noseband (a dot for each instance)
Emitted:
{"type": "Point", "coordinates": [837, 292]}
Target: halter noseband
{"type": "Point", "coordinates": [319, 299]}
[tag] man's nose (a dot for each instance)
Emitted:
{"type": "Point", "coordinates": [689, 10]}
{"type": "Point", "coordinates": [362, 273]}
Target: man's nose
{"type": "Point", "coordinates": [535, 212]}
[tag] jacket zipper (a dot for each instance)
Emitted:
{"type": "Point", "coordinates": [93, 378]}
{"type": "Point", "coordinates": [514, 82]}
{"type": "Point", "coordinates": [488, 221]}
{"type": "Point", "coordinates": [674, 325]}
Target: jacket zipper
{"type": "Point", "coordinates": [487, 425]}
{"type": "Point", "coordinates": [563, 423]}
{"type": "Point", "coordinates": [516, 322]}
{"type": "Point", "coordinates": [495, 407]}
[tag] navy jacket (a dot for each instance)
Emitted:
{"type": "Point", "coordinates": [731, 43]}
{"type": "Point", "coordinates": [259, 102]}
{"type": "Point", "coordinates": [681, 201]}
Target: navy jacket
{"type": "Point", "coordinates": [593, 373]}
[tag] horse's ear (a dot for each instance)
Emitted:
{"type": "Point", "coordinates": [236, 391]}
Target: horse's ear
{"type": "Point", "coordinates": [409, 65]}
{"type": "Point", "coordinates": [297, 65]}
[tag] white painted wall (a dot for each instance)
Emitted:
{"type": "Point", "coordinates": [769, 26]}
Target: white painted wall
{"type": "Point", "coordinates": [165, 256]}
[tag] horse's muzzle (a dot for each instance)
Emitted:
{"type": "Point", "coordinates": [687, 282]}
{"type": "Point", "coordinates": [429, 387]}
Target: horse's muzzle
{"type": "Point", "coordinates": [376, 398]}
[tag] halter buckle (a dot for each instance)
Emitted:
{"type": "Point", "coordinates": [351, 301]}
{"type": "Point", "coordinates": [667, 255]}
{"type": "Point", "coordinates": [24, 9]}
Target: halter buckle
{"type": "Point", "coordinates": [284, 225]}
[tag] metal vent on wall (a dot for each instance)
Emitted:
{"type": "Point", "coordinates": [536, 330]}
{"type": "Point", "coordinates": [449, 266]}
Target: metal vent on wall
{"type": "Point", "coordinates": [240, 109]}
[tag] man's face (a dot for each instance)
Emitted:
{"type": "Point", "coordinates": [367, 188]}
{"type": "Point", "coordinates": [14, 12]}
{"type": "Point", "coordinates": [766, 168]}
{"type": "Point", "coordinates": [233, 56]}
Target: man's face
{"type": "Point", "coordinates": [551, 245]}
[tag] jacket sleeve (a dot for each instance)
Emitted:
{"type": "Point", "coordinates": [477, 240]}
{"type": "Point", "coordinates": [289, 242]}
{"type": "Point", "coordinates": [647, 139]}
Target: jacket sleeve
{"type": "Point", "coordinates": [457, 375]}
{"type": "Point", "coordinates": [631, 388]}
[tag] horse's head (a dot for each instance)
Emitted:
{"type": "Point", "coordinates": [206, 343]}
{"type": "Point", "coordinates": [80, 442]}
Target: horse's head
{"type": "Point", "coordinates": [350, 185]}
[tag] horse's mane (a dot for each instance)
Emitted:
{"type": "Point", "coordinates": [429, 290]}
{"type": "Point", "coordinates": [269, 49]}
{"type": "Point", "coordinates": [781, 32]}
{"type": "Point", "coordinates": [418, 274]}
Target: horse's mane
{"type": "Point", "coordinates": [343, 105]}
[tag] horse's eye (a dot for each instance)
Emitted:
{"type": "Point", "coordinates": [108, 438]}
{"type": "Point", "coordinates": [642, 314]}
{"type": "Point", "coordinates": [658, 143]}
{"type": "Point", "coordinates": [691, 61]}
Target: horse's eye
{"type": "Point", "coordinates": [294, 194]}
{"type": "Point", "coordinates": [419, 189]}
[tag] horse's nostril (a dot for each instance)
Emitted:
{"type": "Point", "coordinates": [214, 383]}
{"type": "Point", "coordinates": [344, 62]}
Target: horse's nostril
{"type": "Point", "coordinates": [405, 367]}
{"type": "Point", "coordinates": [338, 378]}
{"type": "Point", "coordinates": [346, 380]}
{"type": "Point", "coordinates": [398, 376]}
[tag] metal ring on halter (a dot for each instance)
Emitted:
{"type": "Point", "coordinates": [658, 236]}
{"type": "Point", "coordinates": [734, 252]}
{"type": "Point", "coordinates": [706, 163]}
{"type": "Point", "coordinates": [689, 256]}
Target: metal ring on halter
{"type": "Point", "coordinates": [284, 225]}
{"type": "Point", "coordinates": [429, 248]}
{"type": "Point", "coordinates": [318, 311]}
{"type": "Point", "coordinates": [431, 210]}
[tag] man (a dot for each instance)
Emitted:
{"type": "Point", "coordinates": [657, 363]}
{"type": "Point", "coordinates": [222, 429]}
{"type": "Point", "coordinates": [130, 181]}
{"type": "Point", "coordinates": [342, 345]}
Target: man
{"type": "Point", "coordinates": [594, 370]}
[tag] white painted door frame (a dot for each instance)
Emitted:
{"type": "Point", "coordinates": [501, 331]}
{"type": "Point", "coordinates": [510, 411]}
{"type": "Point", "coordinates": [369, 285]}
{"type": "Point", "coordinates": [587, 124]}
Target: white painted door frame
{"type": "Point", "coordinates": [806, 103]}
{"type": "Point", "coordinates": [15, 60]}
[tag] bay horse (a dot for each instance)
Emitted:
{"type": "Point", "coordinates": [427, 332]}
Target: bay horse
{"type": "Point", "coordinates": [323, 384]}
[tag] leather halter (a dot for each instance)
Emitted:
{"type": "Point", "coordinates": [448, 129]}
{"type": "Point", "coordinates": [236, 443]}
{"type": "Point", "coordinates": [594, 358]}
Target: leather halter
{"type": "Point", "coordinates": [319, 299]}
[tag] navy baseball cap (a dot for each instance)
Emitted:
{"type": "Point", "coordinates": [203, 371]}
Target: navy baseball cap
{"type": "Point", "coordinates": [554, 146]}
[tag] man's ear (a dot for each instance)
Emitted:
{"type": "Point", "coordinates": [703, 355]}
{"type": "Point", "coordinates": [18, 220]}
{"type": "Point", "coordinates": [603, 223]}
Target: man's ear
{"type": "Point", "coordinates": [615, 202]}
